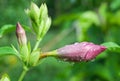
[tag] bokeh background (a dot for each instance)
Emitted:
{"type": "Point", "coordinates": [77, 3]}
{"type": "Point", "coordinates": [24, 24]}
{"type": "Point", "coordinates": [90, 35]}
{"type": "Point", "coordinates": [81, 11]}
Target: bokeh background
{"type": "Point", "coordinates": [96, 21]}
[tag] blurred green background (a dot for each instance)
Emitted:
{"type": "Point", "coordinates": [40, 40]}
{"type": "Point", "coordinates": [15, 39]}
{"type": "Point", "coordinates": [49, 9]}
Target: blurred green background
{"type": "Point", "coordinates": [96, 21]}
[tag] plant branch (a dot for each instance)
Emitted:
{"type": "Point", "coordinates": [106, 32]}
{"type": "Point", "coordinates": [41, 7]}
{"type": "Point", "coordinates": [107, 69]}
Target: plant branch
{"type": "Point", "coordinates": [37, 44]}
{"type": "Point", "coordinates": [25, 69]}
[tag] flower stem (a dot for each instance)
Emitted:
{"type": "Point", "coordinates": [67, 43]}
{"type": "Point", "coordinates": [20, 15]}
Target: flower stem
{"type": "Point", "coordinates": [25, 69]}
{"type": "Point", "coordinates": [37, 44]}
{"type": "Point", "coordinates": [48, 54]}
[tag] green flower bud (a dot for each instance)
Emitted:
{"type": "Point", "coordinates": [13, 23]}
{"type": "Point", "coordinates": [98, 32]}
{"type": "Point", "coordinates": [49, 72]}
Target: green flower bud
{"type": "Point", "coordinates": [33, 13]}
{"type": "Point", "coordinates": [45, 21]}
{"type": "Point", "coordinates": [39, 19]}
{"type": "Point", "coordinates": [34, 58]}
{"type": "Point", "coordinates": [47, 25]}
{"type": "Point", "coordinates": [5, 77]}
{"type": "Point", "coordinates": [43, 12]}
{"type": "Point", "coordinates": [35, 10]}
{"type": "Point", "coordinates": [24, 52]}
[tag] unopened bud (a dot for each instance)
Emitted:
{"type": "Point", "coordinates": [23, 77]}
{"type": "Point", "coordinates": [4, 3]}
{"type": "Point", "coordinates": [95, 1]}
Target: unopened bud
{"type": "Point", "coordinates": [40, 20]}
{"type": "Point", "coordinates": [84, 51]}
{"type": "Point", "coordinates": [21, 36]}
{"type": "Point", "coordinates": [5, 77]}
{"type": "Point", "coordinates": [34, 58]}
{"type": "Point", "coordinates": [43, 11]}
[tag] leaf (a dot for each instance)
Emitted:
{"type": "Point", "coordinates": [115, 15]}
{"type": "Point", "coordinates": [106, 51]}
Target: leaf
{"type": "Point", "coordinates": [102, 12]}
{"type": "Point", "coordinates": [89, 17]}
{"type": "Point", "coordinates": [111, 46]}
{"type": "Point", "coordinates": [10, 28]}
{"type": "Point", "coordinates": [6, 29]}
{"type": "Point", "coordinates": [115, 4]}
{"type": "Point", "coordinates": [27, 28]}
{"type": "Point", "coordinates": [7, 51]}
{"type": "Point", "coordinates": [66, 17]}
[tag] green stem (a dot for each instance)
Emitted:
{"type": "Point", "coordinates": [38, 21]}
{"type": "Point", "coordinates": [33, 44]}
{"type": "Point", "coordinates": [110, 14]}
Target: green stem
{"type": "Point", "coordinates": [48, 54]}
{"type": "Point", "coordinates": [37, 44]}
{"type": "Point", "coordinates": [25, 69]}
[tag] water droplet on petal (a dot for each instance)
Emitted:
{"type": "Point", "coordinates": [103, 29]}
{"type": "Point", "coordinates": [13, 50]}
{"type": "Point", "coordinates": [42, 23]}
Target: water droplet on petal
{"type": "Point", "coordinates": [76, 43]}
{"type": "Point", "coordinates": [80, 60]}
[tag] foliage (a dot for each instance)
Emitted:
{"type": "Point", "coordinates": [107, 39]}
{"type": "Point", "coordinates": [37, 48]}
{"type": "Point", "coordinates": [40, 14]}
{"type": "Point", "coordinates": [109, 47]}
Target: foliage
{"type": "Point", "coordinates": [76, 20]}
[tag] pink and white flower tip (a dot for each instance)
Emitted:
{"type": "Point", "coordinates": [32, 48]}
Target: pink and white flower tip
{"type": "Point", "coordinates": [21, 35]}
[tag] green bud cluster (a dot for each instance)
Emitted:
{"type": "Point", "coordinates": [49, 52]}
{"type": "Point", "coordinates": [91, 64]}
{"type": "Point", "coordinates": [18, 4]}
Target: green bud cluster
{"type": "Point", "coordinates": [39, 19]}
{"type": "Point", "coordinates": [40, 24]}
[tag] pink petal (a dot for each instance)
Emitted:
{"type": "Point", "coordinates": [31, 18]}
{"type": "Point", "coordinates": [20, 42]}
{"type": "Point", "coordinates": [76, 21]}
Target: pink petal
{"type": "Point", "coordinates": [80, 51]}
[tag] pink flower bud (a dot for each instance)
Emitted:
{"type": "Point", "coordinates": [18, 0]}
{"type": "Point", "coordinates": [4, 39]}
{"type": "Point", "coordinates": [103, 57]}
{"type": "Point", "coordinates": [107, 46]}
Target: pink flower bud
{"type": "Point", "coordinates": [20, 33]}
{"type": "Point", "coordinates": [84, 51]}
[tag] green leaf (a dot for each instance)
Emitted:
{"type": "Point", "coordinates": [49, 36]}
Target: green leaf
{"type": "Point", "coordinates": [27, 28]}
{"type": "Point", "coordinates": [7, 51]}
{"type": "Point", "coordinates": [89, 17]}
{"type": "Point", "coordinates": [102, 12]}
{"type": "Point", "coordinates": [10, 28]}
{"type": "Point", "coordinates": [111, 46]}
{"type": "Point", "coordinates": [115, 4]}
{"type": "Point", "coordinates": [66, 17]}
{"type": "Point", "coordinates": [6, 29]}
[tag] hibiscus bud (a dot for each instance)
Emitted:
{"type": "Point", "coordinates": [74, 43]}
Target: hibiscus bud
{"type": "Point", "coordinates": [21, 36]}
{"type": "Point", "coordinates": [84, 51]}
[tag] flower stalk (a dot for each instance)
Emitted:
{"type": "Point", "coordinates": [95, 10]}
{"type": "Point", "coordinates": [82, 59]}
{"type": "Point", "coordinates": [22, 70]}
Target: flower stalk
{"type": "Point", "coordinates": [25, 69]}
